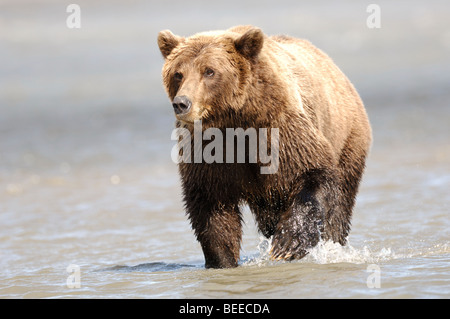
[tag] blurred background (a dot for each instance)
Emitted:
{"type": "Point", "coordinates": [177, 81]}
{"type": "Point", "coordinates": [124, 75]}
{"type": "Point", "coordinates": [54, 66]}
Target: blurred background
{"type": "Point", "coordinates": [85, 170]}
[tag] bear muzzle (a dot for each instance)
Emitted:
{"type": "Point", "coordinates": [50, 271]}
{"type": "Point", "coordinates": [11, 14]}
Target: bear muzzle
{"type": "Point", "coordinates": [181, 105]}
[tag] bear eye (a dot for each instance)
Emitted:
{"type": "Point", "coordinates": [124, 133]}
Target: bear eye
{"type": "Point", "coordinates": [178, 76]}
{"type": "Point", "coordinates": [209, 72]}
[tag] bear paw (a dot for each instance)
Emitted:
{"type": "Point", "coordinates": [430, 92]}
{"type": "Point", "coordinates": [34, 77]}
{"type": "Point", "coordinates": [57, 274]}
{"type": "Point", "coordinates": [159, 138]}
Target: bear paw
{"type": "Point", "coordinates": [296, 234]}
{"type": "Point", "coordinates": [288, 247]}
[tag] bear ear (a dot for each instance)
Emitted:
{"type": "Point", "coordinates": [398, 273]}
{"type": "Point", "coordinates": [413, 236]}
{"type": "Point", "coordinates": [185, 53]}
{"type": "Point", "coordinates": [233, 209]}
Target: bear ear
{"type": "Point", "coordinates": [250, 43]}
{"type": "Point", "coordinates": [167, 41]}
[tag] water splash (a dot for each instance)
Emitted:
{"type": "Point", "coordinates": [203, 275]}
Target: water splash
{"type": "Point", "coordinates": [325, 252]}
{"type": "Point", "coordinates": [263, 257]}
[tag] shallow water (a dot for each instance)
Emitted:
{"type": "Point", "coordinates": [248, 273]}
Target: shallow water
{"type": "Point", "coordinates": [90, 203]}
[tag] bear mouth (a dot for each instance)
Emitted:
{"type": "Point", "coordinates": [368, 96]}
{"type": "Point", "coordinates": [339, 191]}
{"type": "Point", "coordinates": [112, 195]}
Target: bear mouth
{"type": "Point", "coordinates": [185, 120]}
{"type": "Point", "coordinates": [189, 119]}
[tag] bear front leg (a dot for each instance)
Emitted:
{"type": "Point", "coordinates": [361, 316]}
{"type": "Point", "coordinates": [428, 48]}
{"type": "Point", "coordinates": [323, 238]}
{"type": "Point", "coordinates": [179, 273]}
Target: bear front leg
{"type": "Point", "coordinates": [300, 227]}
{"type": "Point", "coordinates": [219, 232]}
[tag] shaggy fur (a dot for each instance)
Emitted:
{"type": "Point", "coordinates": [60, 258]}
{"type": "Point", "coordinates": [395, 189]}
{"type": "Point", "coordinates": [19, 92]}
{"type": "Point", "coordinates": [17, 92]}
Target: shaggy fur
{"type": "Point", "coordinates": [243, 78]}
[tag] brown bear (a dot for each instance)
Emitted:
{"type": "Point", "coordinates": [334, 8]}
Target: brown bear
{"type": "Point", "coordinates": [241, 78]}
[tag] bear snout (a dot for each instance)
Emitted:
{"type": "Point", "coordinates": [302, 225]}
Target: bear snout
{"type": "Point", "coordinates": [181, 105]}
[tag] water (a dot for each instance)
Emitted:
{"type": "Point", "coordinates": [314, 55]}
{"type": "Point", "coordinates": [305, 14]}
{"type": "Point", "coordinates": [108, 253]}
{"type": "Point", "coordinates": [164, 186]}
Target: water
{"type": "Point", "coordinates": [89, 195]}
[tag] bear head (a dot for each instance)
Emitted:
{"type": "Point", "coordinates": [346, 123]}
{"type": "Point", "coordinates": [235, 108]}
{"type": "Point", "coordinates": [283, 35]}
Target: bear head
{"type": "Point", "coordinates": [206, 75]}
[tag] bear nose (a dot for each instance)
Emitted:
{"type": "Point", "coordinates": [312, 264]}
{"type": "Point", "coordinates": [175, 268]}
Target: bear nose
{"type": "Point", "coordinates": [181, 104]}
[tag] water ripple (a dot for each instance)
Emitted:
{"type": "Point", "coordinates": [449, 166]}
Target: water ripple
{"type": "Point", "coordinates": [149, 267]}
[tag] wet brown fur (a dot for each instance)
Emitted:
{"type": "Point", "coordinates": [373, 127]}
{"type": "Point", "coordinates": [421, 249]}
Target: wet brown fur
{"type": "Point", "coordinates": [269, 82]}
